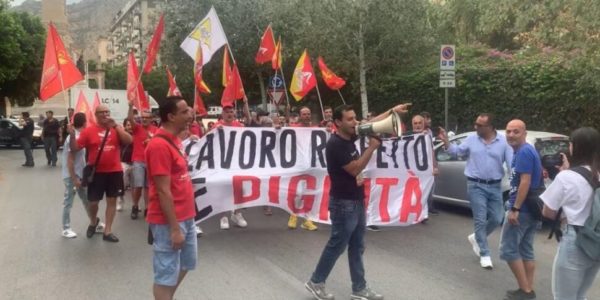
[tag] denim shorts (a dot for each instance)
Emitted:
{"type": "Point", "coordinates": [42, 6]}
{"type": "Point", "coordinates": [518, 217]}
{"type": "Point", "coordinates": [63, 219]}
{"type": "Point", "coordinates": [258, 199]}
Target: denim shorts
{"type": "Point", "coordinates": [517, 240]}
{"type": "Point", "coordinates": [168, 263]}
{"type": "Point", "coordinates": [138, 175]}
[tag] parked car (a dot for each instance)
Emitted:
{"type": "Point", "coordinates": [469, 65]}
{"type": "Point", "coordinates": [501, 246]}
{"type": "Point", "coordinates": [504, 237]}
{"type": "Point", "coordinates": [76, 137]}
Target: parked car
{"type": "Point", "coordinates": [10, 132]}
{"type": "Point", "coordinates": [451, 183]}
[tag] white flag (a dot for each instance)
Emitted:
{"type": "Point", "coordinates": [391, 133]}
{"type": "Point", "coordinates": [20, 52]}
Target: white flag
{"type": "Point", "coordinates": [209, 34]}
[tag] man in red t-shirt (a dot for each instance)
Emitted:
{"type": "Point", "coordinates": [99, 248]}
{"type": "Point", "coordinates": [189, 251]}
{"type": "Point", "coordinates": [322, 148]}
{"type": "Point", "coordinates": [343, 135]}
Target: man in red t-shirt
{"type": "Point", "coordinates": [228, 119]}
{"type": "Point", "coordinates": [142, 133]}
{"type": "Point", "coordinates": [108, 176]}
{"type": "Point", "coordinates": [303, 121]}
{"type": "Point", "coordinates": [171, 209]}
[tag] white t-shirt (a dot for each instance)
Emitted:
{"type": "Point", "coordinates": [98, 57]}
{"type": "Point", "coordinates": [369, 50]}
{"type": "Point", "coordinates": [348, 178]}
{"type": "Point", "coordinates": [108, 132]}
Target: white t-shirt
{"type": "Point", "coordinates": [573, 193]}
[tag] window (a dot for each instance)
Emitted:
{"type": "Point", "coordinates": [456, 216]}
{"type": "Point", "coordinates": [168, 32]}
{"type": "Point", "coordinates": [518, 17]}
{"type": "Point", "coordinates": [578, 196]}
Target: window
{"type": "Point", "coordinates": [442, 155]}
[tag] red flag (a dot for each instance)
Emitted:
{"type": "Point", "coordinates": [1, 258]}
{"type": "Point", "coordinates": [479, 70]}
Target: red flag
{"type": "Point", "coordinates": [226, 67]}
{"type": "Point", "coordinates": [199, 82]}
{"type": "Point", "coordinates": [57, 63]}
{"type": "Point", "coordinates": [234, 90]}
{"type": "Point", "coordinates": [304, 77]}
{"type": "Point", "coordinates": [237, 85]}
{"type": "Point", "coordinates": [276, 59]}
{"type": "Point", "coordinates": [266, 48]}
{"type": "Point", "coordinates": [199, 107]}
{"type": "Point", "coordinates": [173, 89]}
{"type": "Point", "coordinates": [82, 106]}
{"type": "Point", "coordinates": [154, 45]}
{"type": "Point", "coordinates": [96, 102]}
{"type": "Point", "coordinates": [135, 88]}
{"type": "Point", "coordinates": [331, 80]}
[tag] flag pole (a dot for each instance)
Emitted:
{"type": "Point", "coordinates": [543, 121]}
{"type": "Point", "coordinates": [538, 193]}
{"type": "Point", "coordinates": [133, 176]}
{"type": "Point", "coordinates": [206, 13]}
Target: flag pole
{"type": "Point", "coordinates": [320, 102]}
{"type": "Point", "coordinates": [62, 86]}
{"type": "Point", "coordinates": [340, 93]}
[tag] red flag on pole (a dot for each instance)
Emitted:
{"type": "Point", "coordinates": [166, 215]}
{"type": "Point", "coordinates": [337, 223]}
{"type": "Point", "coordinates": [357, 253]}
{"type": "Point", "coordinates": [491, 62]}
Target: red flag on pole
{"type": "Point", "coordinates": [154, 45]}
{"type": "Point", "coordinates": [96, 102]}
{"type": "Point", "coordinates": [276, 58]}
{"type": "Point", "coordinates": [199, 107]}
{"type": "Point", "coordinates": [173, 89]}
{"type": "Point", "coordinates": [331, 80]}
{"type": "Point", "coordinates": [201, 86]}
{"type": "Point", "coordinates": [83, 106]}
{"type": "Point", "coordinates": [57, 64]}
{"type": "Point", "coordinates": [237, 84]}
{"type": "Point", "coordinates": [266, 48]}
{"type": "Point", "coordinates": [304, 77]}
{"type": "Point", "coordinates": [226, 67]}
{"type": "Point", "coordinates": [135, 88]}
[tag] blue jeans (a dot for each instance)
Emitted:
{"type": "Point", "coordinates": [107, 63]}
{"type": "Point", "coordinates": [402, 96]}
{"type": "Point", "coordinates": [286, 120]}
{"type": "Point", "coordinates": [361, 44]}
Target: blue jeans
{"type": "Point", "coordinates": [167, 262]}
{"type": "Point", "coordinates": [50, 145]}
{"type": "Point", "coordinates": [486, 205]}
{"type": "Point", "coordinates": [573, 271]}
{"type": "Point", "coordinates": [516, 242]}
{"type": "Point", "coordinates": [26, 144]}
{"type": "Point", "coordinates": [70, 190]}
{"type": "Point", "coordinates": [347, 230]}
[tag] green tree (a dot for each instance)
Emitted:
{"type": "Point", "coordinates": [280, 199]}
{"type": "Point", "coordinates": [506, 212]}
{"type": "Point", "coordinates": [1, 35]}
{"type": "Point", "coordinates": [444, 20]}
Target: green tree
{"type": "Point", "coordinates": [21, 56]}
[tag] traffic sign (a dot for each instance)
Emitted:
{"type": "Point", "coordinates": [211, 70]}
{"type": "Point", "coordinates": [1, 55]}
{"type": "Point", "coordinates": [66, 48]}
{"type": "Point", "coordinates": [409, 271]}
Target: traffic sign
{"type": "Point", "coordinates": [276, 96]}
{"type": "Point", "coordinates": [276, 82]}
{"type": "Point", "coordinates": [447, 79]}
{"type": "Point", "coordinates": [447, 58]}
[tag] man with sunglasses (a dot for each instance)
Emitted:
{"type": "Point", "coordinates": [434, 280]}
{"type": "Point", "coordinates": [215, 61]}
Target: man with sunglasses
{"type": "Point", "coordinates": [142, 133]}
{"type": "Point", "coordinates": [108, 177]}
{"type": "Point", "coordinates": [487, 151]}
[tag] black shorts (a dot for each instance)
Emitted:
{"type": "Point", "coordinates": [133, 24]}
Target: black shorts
{"type": "Point", "coordinates": [109, 183]}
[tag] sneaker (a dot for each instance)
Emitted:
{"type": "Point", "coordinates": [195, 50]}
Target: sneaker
{"type": "Point", "coordinates": [434, 212]}
{"type": "Point", "coordinates": [474, 244]}
{"type": "Point", "coordinates": [292, 222]}
{"type": "Point", "coordinates": [135, 210]}
{"type": "Point", "coordinates": [519, 295]}
{"type": "Point", "coordinates": [120, 204]}
{"type": "Point", "coordinates": [486, 262]}
{"type": "Point", "coordinates": [68, 233]}
{"type": "Point", "coordinates": [100, 226]}
{"type": "Point", "coordinates": [224, 223]}
{"type": "Point", "coordinates": [366, 294]}
{"type": "Point", "coordinates": [110, 238]}
{"type": "Point", "coordinates": [309, 225]}
{"type": "Point", "coordinates": [239, 220]}
{"type": "Point", "coordinates": [318, 291]}
{"type": "Point", "coordinates": [199, 231]}
{"type": "Point", "coordinates": [373, 228]}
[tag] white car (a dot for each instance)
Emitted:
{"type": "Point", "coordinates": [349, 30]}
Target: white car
{"type": "Point", "coordinates": [451, 183]}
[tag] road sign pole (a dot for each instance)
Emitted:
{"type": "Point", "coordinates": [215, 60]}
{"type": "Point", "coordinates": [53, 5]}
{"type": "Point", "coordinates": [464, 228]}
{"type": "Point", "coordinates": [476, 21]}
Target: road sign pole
{"type": "Point", "coordinates": [446, 109]}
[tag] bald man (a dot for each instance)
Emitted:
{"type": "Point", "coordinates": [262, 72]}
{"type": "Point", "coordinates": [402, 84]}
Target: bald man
{"type": "Point", "coordinates": [418, 124]}
{"type": "Point", "coordinates": [108, 175]}
{"type": "Point", "coordinates": [518, 231]}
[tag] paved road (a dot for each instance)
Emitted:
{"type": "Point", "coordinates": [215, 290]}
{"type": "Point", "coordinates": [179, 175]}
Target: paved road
{"type": "Point", "coordinates": [263, 261]}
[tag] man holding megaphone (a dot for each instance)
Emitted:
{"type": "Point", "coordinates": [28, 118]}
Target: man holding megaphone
{"type": "Point", "coordinates": [346, 196]}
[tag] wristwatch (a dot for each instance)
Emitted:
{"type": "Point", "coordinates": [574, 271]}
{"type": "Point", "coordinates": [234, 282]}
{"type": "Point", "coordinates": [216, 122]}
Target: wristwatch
{"type": "Point", "coordinates": [515, 209]}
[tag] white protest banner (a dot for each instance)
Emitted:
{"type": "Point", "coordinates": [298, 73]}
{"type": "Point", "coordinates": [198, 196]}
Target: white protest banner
{"type": "Point", "coordinates": [234, 168]}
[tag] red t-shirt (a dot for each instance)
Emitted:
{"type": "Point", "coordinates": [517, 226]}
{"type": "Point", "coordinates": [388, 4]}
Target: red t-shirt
{"type": "Point", "coordinates": [302, 125]}
{"type": "Point", "coordinates": [91, 139]}
{"type": "Point", "coordinates": [196, 130]}
{"type": "Point", "coordinates": [234, 123]}
{"type": "Point", "coordinates": [168, 161]}
{"type": "Point", "coordinates": [140, 135]}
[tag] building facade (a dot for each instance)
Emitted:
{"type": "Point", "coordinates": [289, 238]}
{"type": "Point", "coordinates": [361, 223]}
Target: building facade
{"type": "Point", "coordinates": [132, 28]}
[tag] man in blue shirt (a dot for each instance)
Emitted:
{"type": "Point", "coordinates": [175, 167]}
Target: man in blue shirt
{"type": "Point", "coordinates": [487, 151]}
{"type": "Point", "coordinates": [518, 231]}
